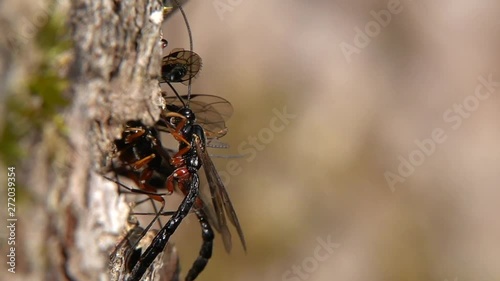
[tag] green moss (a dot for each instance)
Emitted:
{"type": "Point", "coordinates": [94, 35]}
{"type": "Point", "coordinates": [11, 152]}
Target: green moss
{"type": "Point", "coordinates": [43, 95]}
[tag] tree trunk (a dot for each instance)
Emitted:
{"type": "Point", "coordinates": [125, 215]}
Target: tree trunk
{"type": "Point", "coordinates": [77, 215]}
{"type": "Point", "coordinates": [117, 62]}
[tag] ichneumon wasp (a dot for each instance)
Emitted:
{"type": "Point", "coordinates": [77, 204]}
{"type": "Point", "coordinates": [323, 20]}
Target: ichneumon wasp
{"type": "Point", "coordinates": [180, 122]}
{"type": "Point", "coordinates": [143, 159]}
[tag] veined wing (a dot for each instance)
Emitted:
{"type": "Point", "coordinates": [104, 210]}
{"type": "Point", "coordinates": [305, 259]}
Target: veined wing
{"type": "Point", "coordinates": [220, 199]}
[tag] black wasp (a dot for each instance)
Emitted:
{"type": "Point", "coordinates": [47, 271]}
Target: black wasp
{"type": "Point", "coordinates": [180, 121]}
{"type": "Point", "coordinates": [193, 121]}
{"type": "Point", "coordinates": [143, 159]}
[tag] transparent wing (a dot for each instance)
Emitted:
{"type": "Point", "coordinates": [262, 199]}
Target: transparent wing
{"type": "Point", "coordinates": [220, 199]}
{"type": "Point", "coordinates": [180, 66]}
{"type": "Point", "coordinates": [211, 112]}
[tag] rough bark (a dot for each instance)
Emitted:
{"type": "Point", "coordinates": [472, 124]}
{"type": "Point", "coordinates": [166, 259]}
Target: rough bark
{"type": "Point", "coordinates": [71, 217]}
{"type": "Point", "coordinates": [117, 61]}
{"type": "Point", "coordinates": [113, 79]}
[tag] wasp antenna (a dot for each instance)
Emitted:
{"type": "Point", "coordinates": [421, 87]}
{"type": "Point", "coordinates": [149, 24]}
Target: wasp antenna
{"type": "Point", "coordinates": [176, 93]}
{"type": "Point", "coordinates": [187, 24]}
{"type": "Point", "coordinates": [190, 45]}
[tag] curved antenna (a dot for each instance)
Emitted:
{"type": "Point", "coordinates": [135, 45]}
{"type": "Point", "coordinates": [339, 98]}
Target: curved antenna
{"type": "Point", "coordinates": [176, 94]}
{"type": "Point", "coordinates": [190, 45]}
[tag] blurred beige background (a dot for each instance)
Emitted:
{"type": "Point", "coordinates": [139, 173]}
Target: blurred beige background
{"type": "Point", "coordinates": [324, 173]}
{"type": "Point", "coordinates": [389, 153]}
